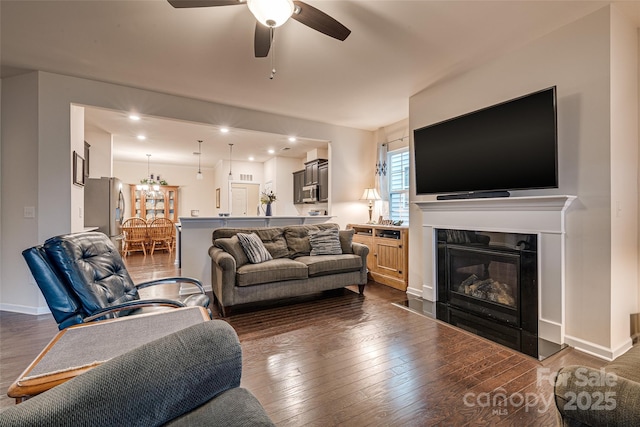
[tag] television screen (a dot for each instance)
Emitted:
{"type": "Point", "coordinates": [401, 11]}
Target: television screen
{"type": "Point", "coordinates": [508, 146]}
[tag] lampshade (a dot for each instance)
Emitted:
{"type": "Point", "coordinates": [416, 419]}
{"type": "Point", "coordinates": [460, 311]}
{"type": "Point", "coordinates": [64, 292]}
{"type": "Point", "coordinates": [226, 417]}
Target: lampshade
{"type": "Point", "coordinates": [271, 13]}
{"type": "Point", "coordinates": [370, 194]}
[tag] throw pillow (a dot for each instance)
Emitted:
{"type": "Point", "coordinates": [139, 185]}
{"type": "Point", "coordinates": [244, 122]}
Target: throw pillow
{"type": "Point", "coordinates": [325, 242]}
{"type": "Point", "coordinates": [232, 246]}
{"type": "Point", "coordinates": [254, 248]}
{"type": "Point", "coordinates": [298, 239]}
{"type": "Point", "coordinates": [346, 239]}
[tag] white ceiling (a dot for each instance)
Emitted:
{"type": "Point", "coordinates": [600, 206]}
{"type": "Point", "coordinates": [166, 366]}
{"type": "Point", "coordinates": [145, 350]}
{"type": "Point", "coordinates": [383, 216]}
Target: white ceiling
{"type": "Point", "coordinates": [171, 141]}
{"type": "Point", "coordinates": [396, 49]}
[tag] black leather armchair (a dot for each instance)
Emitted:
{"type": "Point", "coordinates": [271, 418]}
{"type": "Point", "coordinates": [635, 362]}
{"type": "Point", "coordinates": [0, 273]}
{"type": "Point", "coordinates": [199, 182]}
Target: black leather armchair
{"type": "Point", "coordinates": [83, 278]}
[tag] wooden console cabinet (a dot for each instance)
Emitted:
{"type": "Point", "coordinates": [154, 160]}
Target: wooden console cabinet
{"type": "Point", "coordinates": [388, 259]}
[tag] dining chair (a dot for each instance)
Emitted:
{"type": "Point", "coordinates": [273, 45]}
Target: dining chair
{"type": "Point", "coordinates": [135, 235]}
{"type": "Point", "coordinates": [161, 234]}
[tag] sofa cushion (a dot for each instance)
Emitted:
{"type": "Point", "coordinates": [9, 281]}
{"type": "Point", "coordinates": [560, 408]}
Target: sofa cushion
{"type": "Point", "coordinates": [331, 264]}
{"type": "Point", "coordinates": [297, 237]}
{"type": "Point", "coordinates": [346, 239]}
{"type": "Point", "coordinates": [272, 237]}
{"type": "Point", "coordinates": [276, 270]}
{"type": "Point", "coordinates": [274, 241]}
{"type": "Point", "coordinates": [232, 246]}
{"type": "Point", "coordinates": [325, 242]}
{"type": "Point", "coordinates": [254, 248]}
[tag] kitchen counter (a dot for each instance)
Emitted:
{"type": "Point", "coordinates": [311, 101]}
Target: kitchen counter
{"type": "Point", "coordinates": [195, 239]}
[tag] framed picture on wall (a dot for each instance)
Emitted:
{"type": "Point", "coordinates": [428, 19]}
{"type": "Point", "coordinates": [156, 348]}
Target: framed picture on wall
{"type": "Point", "coordinates": [78, 170]}
{"type": "Point", "coordinates": [218, 198]}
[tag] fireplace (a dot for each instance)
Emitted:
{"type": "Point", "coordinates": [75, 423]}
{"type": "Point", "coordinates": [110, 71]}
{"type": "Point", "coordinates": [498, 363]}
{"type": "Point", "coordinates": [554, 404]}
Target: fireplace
{"type": "Point", "coordinates": [487, 284]}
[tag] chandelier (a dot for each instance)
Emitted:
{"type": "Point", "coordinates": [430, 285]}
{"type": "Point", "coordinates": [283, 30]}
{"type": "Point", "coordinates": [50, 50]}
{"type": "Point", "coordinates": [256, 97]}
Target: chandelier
{"type": "Point", "coordinates": [149, 185]}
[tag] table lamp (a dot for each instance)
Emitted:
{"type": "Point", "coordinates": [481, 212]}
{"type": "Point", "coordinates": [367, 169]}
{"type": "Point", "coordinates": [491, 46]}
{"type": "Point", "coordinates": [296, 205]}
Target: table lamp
{"type": "Point", "coordinates": [370, 194]}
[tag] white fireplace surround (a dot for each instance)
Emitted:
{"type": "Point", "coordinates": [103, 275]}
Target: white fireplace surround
{"type": "Point", "coordinates": [540, 215]}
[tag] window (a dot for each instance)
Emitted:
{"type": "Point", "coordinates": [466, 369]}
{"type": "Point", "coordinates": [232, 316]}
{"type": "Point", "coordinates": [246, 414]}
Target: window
{"type": "Point", "coordinates": [398, 162]}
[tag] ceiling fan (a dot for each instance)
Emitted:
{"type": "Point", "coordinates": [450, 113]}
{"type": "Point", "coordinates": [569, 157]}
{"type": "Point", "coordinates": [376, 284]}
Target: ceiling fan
{"type": "Point", "coordinates": [273, 13]}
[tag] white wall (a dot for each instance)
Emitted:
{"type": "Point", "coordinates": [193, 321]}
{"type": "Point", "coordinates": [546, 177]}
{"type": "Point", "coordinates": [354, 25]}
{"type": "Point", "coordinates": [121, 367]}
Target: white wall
{"type": "Point", "coordinates": [283, 187]}
{"type": "Point", "coordinates": [101, 158]}
{"type": "Point", "coordinates": [76, 121]}
{"type": "Point", "coordinates": [193, 193]}
{"type": "Point", "coordinates": [36, 132]}
{"type": "Point", "coordinates": [624, 175]}
{"type": "Point", "coordinates": [20, 163]}
{"type": "Point", "coordinates": [577, 58]}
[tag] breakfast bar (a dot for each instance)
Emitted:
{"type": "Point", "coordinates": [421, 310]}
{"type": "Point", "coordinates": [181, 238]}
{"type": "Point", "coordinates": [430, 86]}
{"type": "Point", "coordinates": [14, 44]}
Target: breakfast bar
{"type": "Point", "coordinates": [195, 239]}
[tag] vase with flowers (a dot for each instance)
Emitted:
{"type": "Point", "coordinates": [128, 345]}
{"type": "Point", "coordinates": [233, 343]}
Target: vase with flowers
{"type": "Point", "coordinates": [267, 198]}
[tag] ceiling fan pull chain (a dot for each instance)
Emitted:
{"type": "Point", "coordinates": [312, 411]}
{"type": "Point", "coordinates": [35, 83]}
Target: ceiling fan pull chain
{"type": "Point", "coordinates": [273, 54]}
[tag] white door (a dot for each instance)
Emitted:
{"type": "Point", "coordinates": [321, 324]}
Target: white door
{"type": "Point", "coordinates": [238, 201]}
{"type": "Point", "coordinates": [245, 199]}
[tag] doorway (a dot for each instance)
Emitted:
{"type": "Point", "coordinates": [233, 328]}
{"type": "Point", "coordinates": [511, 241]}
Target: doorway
{"type": "Point", "coordinates": [245, 199]}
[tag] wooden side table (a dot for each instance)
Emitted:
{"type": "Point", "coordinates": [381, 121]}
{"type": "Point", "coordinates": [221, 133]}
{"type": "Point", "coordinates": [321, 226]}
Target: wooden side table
{"type": "Point", "coordinates": [388, 259]}
{"type": "Point", "coordinates": [77, 349]}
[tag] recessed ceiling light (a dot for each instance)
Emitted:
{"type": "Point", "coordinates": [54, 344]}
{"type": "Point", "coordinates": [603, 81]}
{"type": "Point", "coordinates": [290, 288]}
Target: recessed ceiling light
{"type": "Point", "coordinates": [292, 139]}
{"type": "Point", "coordinates": [224, 130]}
{"type": "Point", "coordinates": [271, 151]}
{"type": "Point", "coordinates": [251, 158]}
{"type": "Point", "coordinates": [134, 117]}
{"type": "Point", "coordinates": [141, 137]}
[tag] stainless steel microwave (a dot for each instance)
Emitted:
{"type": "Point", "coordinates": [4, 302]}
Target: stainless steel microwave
{"type": "Point", "coordinates": [310, 193]}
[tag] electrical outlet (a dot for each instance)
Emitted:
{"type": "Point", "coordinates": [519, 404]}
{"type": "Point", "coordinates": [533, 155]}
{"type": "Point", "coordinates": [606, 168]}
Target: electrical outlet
{"type": "Point", "coordinates": [29, 212]}
{"type": "Point", "coordinates": [80, 212]}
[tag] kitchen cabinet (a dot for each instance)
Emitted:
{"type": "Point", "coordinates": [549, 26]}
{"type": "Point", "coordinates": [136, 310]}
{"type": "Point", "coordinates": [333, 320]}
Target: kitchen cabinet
{"type": "Point", "coordinates": [298, 183]}
{"type": "Point", "coordinates": [323, 182]}
{"type": "Point", "coordinates": [311, 171]}
{"type": "Point", "coordinates": [388, 259]}
{"type": "Point", "coordinates": [155, 204]}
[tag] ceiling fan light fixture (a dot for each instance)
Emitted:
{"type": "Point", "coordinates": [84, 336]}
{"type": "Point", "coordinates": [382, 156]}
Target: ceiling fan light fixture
{"type": "Point", "coordinates": [271, 13]}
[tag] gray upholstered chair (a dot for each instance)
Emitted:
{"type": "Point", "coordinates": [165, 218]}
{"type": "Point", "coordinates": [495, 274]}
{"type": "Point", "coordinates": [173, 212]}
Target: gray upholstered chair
{"type": "Point", "coordinates": [188, 378]}
{"type": "Point", "coordinates": [83, 278]}
{"type": "Point", "coordinates": [593, 397]}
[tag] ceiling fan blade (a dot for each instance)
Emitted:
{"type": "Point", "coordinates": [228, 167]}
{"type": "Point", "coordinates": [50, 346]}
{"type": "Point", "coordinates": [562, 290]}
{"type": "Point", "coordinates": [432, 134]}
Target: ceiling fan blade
{"type": "Point", "coordinates": [319, 21]}
{"type": "Point", "coordinates": [262, 40]}
{"type": "Point", "coordinates": [203, 3]}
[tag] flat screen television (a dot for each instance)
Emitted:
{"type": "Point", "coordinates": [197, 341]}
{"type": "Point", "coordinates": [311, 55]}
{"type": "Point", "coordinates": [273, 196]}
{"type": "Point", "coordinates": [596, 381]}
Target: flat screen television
{"type": "Point", "coordinates": [486, 153]}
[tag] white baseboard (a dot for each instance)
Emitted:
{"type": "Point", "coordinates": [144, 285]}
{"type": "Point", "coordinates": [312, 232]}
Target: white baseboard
{"type": "Point", "coordinates": [24, 309]}
{"type": "Point", "coordinates": [597, 350]}
{"type": "Point", "coordinates": [550, 331]}
{"type": "Point", "coordinates": [415, 292]}
{"type": "Point", "coordinates": [428, 293]}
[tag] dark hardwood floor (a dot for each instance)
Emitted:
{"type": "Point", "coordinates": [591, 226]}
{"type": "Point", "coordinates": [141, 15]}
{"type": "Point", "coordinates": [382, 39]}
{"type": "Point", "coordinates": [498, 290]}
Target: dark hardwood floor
{"type": "Point", "coordinates": [339, 358]}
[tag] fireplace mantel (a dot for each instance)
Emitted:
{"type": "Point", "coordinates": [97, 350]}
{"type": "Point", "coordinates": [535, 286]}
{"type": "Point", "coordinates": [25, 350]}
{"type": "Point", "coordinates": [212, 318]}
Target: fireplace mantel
{"type": "Point", "coordinates": [541, 215]}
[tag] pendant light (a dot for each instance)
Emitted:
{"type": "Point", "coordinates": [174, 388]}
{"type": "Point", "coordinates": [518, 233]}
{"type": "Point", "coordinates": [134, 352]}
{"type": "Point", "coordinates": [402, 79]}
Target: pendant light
{"type": "Point", "coordinates": [199, 153]}
{"type": "Point", "coordinates": [230, 152]}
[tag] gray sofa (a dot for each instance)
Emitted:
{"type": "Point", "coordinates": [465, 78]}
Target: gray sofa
{"type": "Point", "coordinates": [188, 378]}
{"type": "Point", "coordinates": [600, 397]}
{"type": "Point", "coordinates": [294, 270]}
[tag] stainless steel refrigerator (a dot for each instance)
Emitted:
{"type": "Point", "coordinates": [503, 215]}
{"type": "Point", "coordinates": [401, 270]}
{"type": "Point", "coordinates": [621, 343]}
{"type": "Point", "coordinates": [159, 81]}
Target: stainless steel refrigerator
{"type": "Point", "coordinates": [104, 206]}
